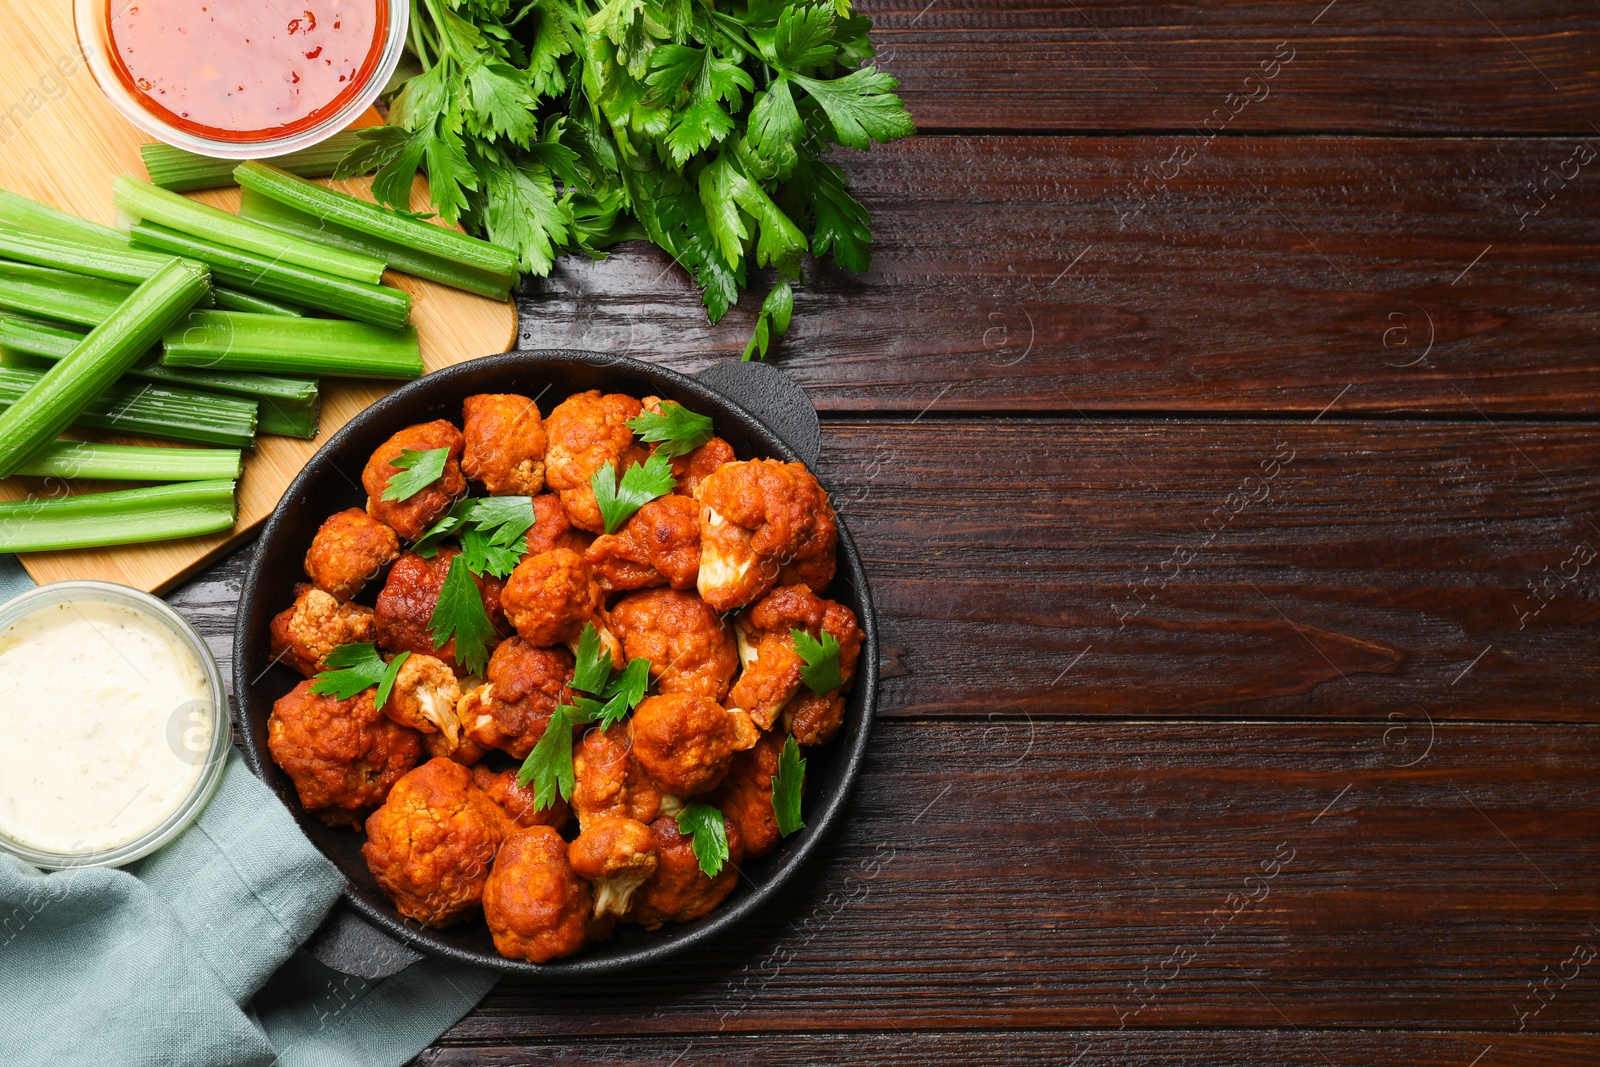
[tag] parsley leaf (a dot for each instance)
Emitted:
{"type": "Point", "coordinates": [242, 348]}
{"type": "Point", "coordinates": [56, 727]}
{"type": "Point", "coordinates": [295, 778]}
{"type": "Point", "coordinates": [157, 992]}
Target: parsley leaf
{"type": "Point", "coordinates": [640, 484]}
{"type": "Point", "coordinates": [787, 781]}
{"type": "Point", "coordinates": [821, 670]}
{"type": "Point", "coordinates": [549, 764]}
{"type": "Point", "coordinates": [594, 664]}
{"type": "Point", "coordinates": [772, 319]}
{"type": "Point", "coordinates": [418, 470]}
{"type": "Point", "coordinates": [454, 519]}
{"type": "Point", "coordinates": [675, 430]}
{"type": "Point", "coordinates": [709, 837]}
{"type": "Point", "coordinates": [625, 691]}
{"type": "Point", "coordinates": [492, 530]}
{"type": "Point", "coordinates": [460, 612]}
{"type": "Point", "coordinates": [862, 106]}
{"type": "Point", "coordinates": [360, 668]}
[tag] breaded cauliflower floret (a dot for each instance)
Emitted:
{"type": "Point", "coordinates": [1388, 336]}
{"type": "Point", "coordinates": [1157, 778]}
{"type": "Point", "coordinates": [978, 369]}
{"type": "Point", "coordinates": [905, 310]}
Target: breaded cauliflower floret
{"type": "Point", "coordinates": [511, 710]}
{"type": "Point", "coordinates": [518, 801]}
{"type": "Point", "coordinates": [745, 795]}
{"type": "Point", "coordinates": [463, 749]}
{"type": "Point", "coordinates": [660, 545]}
{"type": "Point", "coordinates": [350, 548]}
{"type": "Point", "coordinates": [315, 625]}
{"type": "Point", "coordinates": [584, 433]}
{"type": "Point", "coordinates": [609, 780]}
{"type": "Point", "coordinates": [431, 844]}
{"type": "Point", "coordinates": [770, 685]}
{"type": "Point", "coordinates": [424, 697]}
{"type": "Point", "coordinates": [537, 908]}
{"type": "Point", "coordinates": [551, 597]}
{"type": "Point", "coordinates": [679, 891]}
{"type": "Point", "coordinates": [504, 443]}
{"type": "Point", "coordinates": [412, 517]}
{"type": "Point", "coordinates": [406, 605]}
{"type": "Point", "coordinates": [762, 522]}
{"type": "Point", "coordinates": [342, 755]}
{"type": "Point", "coordinates": [690, 647]}
{"type": "Point", "coordinates": [551, 529]}
{"type": "Point", "coordinates": [686, 742]}
{"type": "Point", "coordinates": [617, 855]}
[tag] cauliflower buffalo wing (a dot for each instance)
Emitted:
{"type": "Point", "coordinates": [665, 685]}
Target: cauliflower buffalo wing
{"type": "Point", "coordinates": [745, 795]}
{"type": "Point", "coordinates": [503, 443]}
{"type": "Point", "coordinates": [762, 523]}
{"type": "Point", "coordinates": [610, 782]}
{"type": "Point", "coordinates": [536, 906]}
{"type": "Point", "coordinates": [584, 433]}
{"type": "Point", "coordinates": [463, 749]}
{"type": "Point", "coordinates": [316, 624]}
{"type": "Point", "coordinates": [350, 548]}
{"type": "Point", "coordinates": [424, 697]}
{"type": "Point", "coordinates": [685, 742]}
{"type": "Point", "coordinates": [511, 710]}
{"type": "Point", "coordinates": [690, 647]}
{"type": "Point", "coordinates": [616, 854]}
{"type": "Point", "coordinates": [343, 755]}
{"type": "Point", "coordinates": [770, 683]}
{"type": "Point", "coordinates": [679, 891]}
{"type": "Point", "coordinates": [660, 545]}
{"type": "Point", "coordinates": [518, 800]}
{"type": "Point", "coordinates": [411, 517]}
{"type": "Point", "coordinates": [691, 468]}
{"type": "Point", "coordinates": [409, 596]}
{"type": "Point", "coordinates": [550, 597]}
{"type": "Point", "coordinates": [551, 529]}
{"type": "Point", "coordinates": [431, 844]}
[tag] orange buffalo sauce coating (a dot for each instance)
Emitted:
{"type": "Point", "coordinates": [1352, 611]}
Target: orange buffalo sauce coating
{"type": "Point", "coordinates": [245, 70]}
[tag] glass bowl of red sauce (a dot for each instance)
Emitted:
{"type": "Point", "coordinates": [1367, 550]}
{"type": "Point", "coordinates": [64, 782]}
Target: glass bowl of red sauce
{"type": "Point", "coordinates": [241, 79]}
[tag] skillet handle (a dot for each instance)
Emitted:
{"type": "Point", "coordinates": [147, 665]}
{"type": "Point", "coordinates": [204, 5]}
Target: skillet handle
{"type": "Point", "coordinates": [351, 945]}
{"type": "Point", "coordinates": [774, 398]}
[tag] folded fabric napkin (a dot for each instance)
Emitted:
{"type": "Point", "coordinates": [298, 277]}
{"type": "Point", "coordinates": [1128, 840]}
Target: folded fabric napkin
{"type": "Point", "coordinates": [192, 955]}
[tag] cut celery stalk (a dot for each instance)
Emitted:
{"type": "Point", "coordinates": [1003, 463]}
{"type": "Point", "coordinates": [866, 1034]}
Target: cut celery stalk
{"type": "Point", "coordinates": [65, 390]}
{"type": "Point", "coordinates": [132, 463]}
{"type": "Point", "coordinates": [236, 300]}
{"type": "Point", "coordinates": [145, 201]}
{"type": "Point", "coordinates": [233, 340]}
{"type": "Point", "coordinates": [30, 215]}
{"type": "Point", "coordinates": [182, 172]}
{"type": "Point", "coordinates": [124, 516]}
{"type": "Point", "coordinates": [363, 216]}
{"type": "Point", "coordinates": [57, 294]}
{"type": "Point", "coordinates": [97, 261]}
{"type": "Point", "coordinates": [381, 305]}
{"type": "Point", "coordinates": [149, 410]}
{"type": "Point", "coordinates": [269, 212]}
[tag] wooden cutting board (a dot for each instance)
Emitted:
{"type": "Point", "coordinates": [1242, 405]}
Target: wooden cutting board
{"type": "Point", "coordinates": [61, 143]}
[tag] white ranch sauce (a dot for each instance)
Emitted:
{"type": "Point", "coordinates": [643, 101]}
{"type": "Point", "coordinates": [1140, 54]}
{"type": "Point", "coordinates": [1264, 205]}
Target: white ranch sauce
{"type": "Point", "coordinates": [103, 727]}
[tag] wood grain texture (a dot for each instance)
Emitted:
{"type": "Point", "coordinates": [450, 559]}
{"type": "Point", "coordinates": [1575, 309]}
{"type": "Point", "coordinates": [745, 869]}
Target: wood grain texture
{"type": "Point", "coordinates": [1064, 274]}
{"type": "Point", "coordinates": [1402, 573]}
{"type": "Point", "coordinates": [1429, 66]}
{"type": "Point", "coordinates": [62, 143]}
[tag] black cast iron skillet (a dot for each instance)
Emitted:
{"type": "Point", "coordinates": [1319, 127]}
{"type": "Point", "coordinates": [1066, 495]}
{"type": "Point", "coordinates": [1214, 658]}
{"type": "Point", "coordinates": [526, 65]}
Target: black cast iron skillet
{"type": "Point", "coordinates": [331, 482]}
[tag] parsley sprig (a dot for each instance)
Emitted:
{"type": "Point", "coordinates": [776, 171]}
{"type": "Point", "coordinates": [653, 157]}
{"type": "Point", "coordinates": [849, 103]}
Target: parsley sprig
{"type": "Point", "coordinates": [360, 667]}
{"type": "Point", "coordinates": [821, 671]}
{"type": "Point", "coordinates": [459, 612]}
{"type": "Point", "coordinates": [416, 471]}
{"type": "Point", "coordinates": [787, 781]}
{"type": "Point", "coordinates": [641, 483]}
{"type": "Point", "coordinates": [707, 836]}
{"type": "Point", "coordinates": [674, 430]}
{"type": "Point", "coordinates": [492, 531]}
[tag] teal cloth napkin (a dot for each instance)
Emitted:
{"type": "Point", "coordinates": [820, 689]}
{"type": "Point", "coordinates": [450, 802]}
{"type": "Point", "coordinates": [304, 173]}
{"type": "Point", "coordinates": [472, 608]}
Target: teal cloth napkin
{"type": "Point", "coordinates": [192, 955]}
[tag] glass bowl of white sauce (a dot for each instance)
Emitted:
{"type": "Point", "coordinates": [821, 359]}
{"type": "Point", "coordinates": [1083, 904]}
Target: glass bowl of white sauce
{"type": "Point", "coordinates": [114, 720]}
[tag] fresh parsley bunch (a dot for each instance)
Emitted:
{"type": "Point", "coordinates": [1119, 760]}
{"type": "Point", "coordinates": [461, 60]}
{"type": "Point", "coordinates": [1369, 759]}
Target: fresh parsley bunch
{"type": "Point", "coordinates": [569, 125]}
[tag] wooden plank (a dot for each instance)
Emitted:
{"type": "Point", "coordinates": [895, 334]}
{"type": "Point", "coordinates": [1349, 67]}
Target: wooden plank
{"type": "Point", "coordinates": [1057, 274]}
{"type": "Point", "coordinates": [62, 143]}
{"type": "Point", "coordinates": [1432, 66]}
{"type": "Point", "coordinates": [1024, 1048]}
{"type": "Point", "coordinates": [1152, 875]}
{"type": "Point", "coordinates": [1394, 572]}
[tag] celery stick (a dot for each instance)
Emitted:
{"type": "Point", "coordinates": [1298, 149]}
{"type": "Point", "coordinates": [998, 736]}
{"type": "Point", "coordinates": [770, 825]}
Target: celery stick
{"type": "Point", "coordinates": [56, 294]}
{"type": "Point", "coordinates": [233, 340]}
{"type": "Point", "coordinates": [235, 300]}
{"type": "Point", "coordinates": [132, 463]}
{"type": "Point", "coordinates": [112, 347]}
{"type": "Point", "coordinates": [116, 264]}
{"type": "Point", "coordinates": [145, 201]}
{"type": "Point", "coordinates": [145, 409]}
{"type": "Point", "coordinates": [182, 172]}
{"type": "Point", "coordinates": [363, 216]}
{"type": "Point", "coordinates": [269, 212]}
{"type": "Point", "coordinates": [381, 305]}
{"type": "Point", "coordinates": [30, 215]}
{"type": "Point", "coordinates": [125, 516]}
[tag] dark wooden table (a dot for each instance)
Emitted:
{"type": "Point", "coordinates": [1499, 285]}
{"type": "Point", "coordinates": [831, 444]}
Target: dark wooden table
{"type": "Point", "coordinates": [1218, 424]}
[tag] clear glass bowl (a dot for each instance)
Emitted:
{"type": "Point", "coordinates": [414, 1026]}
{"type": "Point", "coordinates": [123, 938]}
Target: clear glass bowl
{"type": "Point", "coordinates": [88, 18]}
{"type": "Point", "coordinates": [212, 715]}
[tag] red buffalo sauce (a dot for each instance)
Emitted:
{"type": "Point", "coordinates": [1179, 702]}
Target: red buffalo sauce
{"type": "Point", "coordinates": [245, 70]}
